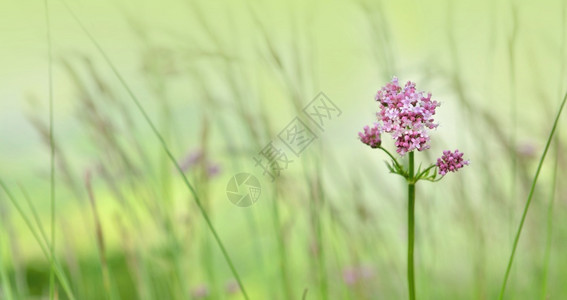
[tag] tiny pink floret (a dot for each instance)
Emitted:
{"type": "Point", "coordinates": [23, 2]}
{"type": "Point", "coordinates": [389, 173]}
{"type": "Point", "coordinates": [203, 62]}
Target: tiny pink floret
{"type": "Point", "coordinates": [371, 136]}
{"type": "Point", "coordinates": [451, 162]}
{"type": "Point", "coordinates": [407, 114]}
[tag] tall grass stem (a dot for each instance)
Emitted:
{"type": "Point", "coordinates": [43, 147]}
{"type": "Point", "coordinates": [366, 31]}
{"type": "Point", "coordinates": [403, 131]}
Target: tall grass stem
{"type": "Point", "coordinates": [4, 279]}
{"type": "Point", "coordinates": [164, 146]}
{"type": "Point", "coordinates": [43, 243]}
{"type": "Point", "coordinates": [530, 197]}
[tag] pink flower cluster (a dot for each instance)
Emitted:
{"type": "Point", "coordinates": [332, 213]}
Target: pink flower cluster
{"type": "Point", "coordinates": [371, 136]}
{"type": "Point", "coordinates": [407, 114]}
{"type": "Point", "coordinates": [451, 162]}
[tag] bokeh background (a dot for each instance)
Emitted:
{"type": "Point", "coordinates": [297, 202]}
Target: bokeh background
{"type": "Point", "coordinates": [221, 79]}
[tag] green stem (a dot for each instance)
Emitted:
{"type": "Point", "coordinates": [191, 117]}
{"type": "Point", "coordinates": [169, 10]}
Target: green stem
{"type": "Point", "coordinates": [4, 276]}
{"type": "Point", "coordinates": [164, 145]}
{"type": "Point", "coordinates": [392, 157]}
{"type": "Point", "coordinates": [530, 196]}
{"type": "Point", "coordinates": [44, 245]}
{"type": "Point", "coordinates": [411, 227]}
{"type": "Point", "coordinates": [418, 176]}
{"type": "Point", "coordinates": [549, 234]}
{"type": "Point", "coordinates": [548, 243]}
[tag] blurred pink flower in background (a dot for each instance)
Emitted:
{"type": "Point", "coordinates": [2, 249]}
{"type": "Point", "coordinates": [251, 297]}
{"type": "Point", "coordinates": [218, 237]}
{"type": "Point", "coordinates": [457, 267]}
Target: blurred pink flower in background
{"type": "Point", "coordinates": [200, 292]}
{"type": "Point", "coordinates": [354, 275]}
{"type": "Point", "coordinates": [195, 158]}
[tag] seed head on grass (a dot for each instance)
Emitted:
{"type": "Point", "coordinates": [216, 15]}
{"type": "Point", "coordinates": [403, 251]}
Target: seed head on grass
{"type": "Point", "coordinates": [196, 158]}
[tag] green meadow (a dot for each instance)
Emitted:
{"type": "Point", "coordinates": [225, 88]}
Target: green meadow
{"type": "Point", "coordinates": [152, 149]}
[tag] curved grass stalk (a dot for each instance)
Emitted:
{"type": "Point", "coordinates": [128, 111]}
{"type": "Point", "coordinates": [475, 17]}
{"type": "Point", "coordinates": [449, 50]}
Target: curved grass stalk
{"type": "Point", "coordinates": [549, 238]}
{"type": "Point", "coordinates": [7, 290]}
{"type": "Point", "coordinates": [42, 241]}
{"type": "Point", "coordinates": [549, 229]}
{"type": "Point", "coordinates": [530, 196]}
{"type": "Point", "coordinates": [164, 146]}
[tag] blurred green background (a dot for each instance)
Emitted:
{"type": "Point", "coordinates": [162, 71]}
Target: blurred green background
{"type": "Point", "coordinates": [221, 79]}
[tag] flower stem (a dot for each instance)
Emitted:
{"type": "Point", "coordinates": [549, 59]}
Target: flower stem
{"type": "Point", "coordinates": [411, 227]}
{"type": "Point", "coordinates": [392, 157]}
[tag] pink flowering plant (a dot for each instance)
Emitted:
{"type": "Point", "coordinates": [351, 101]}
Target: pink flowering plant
{"type": "Point", "coordinates": [407, 115]}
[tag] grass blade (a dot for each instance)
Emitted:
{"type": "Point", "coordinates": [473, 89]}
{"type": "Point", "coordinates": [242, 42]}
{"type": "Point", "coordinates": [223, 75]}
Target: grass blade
{"type": "Point", "coordinates": [530, 196]}
{"type": "Point", "coordinates": [57, 270]}
{"type": "Point", "coordinates": [549, 229]}
{"type": "Point", "coordinates": [164, 146]}
{"type": "Point", "coordinates": [99, 237]}
{"type": "Point", "coordinates": [551, 205]}
{"type": "Point", "coordinates": [7, 288]}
